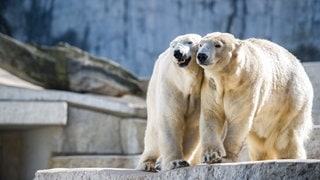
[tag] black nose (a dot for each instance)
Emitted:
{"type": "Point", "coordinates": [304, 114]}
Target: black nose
{"type": "Point", "coordinates": [202, 57]}
{"type": "Point", "coordinates": [177, 54]}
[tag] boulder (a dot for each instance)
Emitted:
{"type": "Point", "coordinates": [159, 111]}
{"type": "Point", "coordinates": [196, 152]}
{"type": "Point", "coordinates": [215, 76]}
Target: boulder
{"type": "Point", "coordinates": [66, 67]}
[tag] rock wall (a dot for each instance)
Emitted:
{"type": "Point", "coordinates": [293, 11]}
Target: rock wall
{"type": "Point", "coordinates": [135, 32]}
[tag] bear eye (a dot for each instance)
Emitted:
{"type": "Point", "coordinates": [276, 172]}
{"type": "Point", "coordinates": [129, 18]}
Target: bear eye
{"type": "Point", "coordinates": [189, 42]}
{"type": "Point", "coordinates": [200, 45]}
{"type": "Point", "coordinates": [217, 45]}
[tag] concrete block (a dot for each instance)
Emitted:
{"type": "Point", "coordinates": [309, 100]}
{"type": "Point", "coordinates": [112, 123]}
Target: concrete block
{"type": "Point", "coordinates": [95, 161]}
{"type": "Point", "coordinates": [284, 169]}
{"type": "Point", "coordinates": [90, 132]}
{"type": "Point", "coordinates": [132, 135]}
{"type": "Point", "coordinates": [26, 113]}
{"type": "Point", "coordinates": [312, 69]}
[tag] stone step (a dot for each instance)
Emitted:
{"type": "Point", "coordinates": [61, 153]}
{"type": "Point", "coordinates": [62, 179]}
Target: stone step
{"type": "Point", "coordinates": [282, 169]}
{"type": "Point", "coordinates": [107, 161]}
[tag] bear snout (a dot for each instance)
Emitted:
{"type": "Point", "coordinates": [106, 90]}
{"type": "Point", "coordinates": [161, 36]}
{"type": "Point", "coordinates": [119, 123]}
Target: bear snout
{"type": "Point", "coordinates": [177, 54]}
{"type": "Point", "coordinates": [202, 58]}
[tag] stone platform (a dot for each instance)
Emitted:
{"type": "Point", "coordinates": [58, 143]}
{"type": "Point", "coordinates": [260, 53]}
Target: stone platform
{"type": "Point", "coordinates": [284, 169]}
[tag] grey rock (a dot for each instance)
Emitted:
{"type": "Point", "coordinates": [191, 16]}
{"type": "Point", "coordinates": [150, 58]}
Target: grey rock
{"type": "Point", "coordinates": [135, 32]}
{"type": "Point", "coordinates": [283, 169]}
{"type": "Point", "coordinates": [66, 67]}
{"type": "Point", "coordinates": [111, 161]}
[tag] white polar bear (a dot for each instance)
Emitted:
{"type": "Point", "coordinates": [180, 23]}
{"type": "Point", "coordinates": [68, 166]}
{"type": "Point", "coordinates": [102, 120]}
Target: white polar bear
{"type": "Point", "coordinates": [260, 91]}
{"type": "Point", "coordinates": [173, 104]}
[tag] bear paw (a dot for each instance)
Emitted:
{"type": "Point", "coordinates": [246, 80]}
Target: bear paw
{"type": "Point", "coordinates": [212, 156]}
{"type": "Point", "coordinates": [158, 164]}
{"type": "Point", "coordinates": [148, 165]}
{"type": "Point", "coordinates": [177, 164]}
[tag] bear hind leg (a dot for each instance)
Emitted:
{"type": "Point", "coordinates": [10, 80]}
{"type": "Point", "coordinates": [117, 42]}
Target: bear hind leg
{"type": "Point", "coordinates": [290, 142]}
{"type": "Point", "coordinates": [294, 148]}
{"type": "Point", "coordinates": [258, 150]}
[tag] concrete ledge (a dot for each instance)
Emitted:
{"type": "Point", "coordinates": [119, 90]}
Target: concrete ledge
{"type": "Point", "coordinates": [18, 113]}
{"type": "Point", "coordinates": [95, 161]}
{"type": "Point", "coordinates": [282, 169]}
{"type": "Point", "coordinates": [130, 107]}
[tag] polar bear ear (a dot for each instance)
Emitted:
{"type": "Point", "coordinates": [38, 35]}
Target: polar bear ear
{"type": "Point", "coordinates": [238, 43]}
{"type": "Point", "coordinates": [237, 48]}
{"type": "Point", "coordinates": [172, 43]}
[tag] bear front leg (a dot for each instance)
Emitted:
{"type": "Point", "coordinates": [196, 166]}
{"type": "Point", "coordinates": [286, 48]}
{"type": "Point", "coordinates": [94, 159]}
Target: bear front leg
{"type": "Point", "coordinates": [211, 142]}
{"type": "Point", "coordinates": [170, 143]}
{"type": "Point", "coordinates": [147, 161]}
{"type": "Point", "coordinates": [237, 132]}
{"type": "Point", "coordinates": [211, 128]}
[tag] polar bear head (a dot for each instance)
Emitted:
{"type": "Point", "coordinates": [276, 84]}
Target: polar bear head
{"type": "Point", "coordinates": [184, 48]}
{"type": "Point", "coordinates": [217, 50]}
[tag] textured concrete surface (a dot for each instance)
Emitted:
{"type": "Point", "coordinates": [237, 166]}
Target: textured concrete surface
{"type": "Point", "coordinates": [97, 161]}
{"type": "Point", "coordinates": [285, 169]}
{"type": "Point", "coordinates": [30, 113]}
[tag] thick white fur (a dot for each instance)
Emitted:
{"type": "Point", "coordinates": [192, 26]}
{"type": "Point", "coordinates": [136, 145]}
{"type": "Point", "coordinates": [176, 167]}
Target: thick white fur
{"type": "Point", "coordinates": [261, 92]}
{"type": "Point", "coordinates": [173, 102]}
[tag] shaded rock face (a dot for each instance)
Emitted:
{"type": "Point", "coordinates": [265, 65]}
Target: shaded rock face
{"type": "Point", "coordinates": [66, 67]}
{"type": "Point", "coordinates": [135, 32]}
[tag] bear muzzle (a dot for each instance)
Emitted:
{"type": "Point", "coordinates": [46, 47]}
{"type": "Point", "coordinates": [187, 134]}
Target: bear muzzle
{"type": "Point", "coordinates": [202, 58]}
{"type": "Point", "coordinates": [182, 59]}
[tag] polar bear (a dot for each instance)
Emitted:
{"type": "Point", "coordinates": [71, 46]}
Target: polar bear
{"type": "Point", "coordinates": [259, 92]}
{"type": "Point", "coordinates": [173, 105]}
